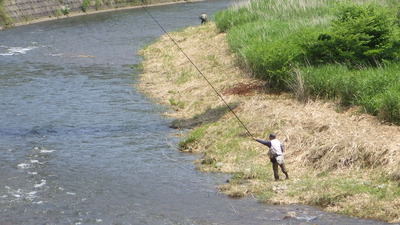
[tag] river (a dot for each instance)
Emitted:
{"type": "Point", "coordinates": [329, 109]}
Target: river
{"type": "Point", "coordinates": [79, 145]}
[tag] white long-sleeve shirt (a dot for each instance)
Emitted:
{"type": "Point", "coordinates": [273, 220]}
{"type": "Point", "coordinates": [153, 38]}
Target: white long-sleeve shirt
{"type": "Point", "coordinates": [277, 146]}
{"type": "Point", "coordinates": [274, 145]}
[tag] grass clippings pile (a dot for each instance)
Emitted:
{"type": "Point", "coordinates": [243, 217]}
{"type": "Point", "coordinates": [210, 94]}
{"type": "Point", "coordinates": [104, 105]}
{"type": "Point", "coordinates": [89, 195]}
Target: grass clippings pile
{"type": "Point", "coordinates": [343, 161]}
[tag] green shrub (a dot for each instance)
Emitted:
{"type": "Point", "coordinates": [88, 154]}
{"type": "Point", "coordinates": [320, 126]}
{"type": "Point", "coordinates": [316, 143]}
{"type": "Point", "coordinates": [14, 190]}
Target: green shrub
{"type": "Point", "coordinates": [342, 51]}
{"type": "Point", "coordinates": [65, 10]}
{"type": "Point", "coordinates": [84, 5]}
{"type": "Point", "coordinates": [270, 56]}
{"type": "Point", "coordinates": [360, 35]}
{"type": "Point", "coordinates": [97, 4]}
{"type": "Point", "coordinates": [390, 107]}
{"type": "Point", "coordinates": [273, 61]}
{"type": "Point", "coordinates": [57, 13]}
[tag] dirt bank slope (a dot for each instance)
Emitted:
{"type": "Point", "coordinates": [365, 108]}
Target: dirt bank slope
{"type": "Point", "coordinates": [343, 161]}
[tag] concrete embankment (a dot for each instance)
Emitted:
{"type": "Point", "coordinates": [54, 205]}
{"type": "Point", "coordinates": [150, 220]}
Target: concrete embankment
{"type": "Point", "coordinates": [17, 12]}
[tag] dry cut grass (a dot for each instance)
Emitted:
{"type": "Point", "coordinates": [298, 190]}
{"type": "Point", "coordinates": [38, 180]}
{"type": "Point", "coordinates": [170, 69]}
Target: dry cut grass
{"type": "Point", "coordinates": [343, 161]}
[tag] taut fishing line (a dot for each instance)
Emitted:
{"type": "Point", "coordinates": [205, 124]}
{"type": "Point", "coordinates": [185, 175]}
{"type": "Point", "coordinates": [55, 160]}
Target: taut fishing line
{"type": "Point", "coordinates": [198, 70]}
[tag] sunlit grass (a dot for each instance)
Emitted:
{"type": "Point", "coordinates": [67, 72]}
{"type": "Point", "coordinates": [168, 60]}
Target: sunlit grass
{"type": "Point", "coordinates": [335, 160]}
{"type": "Point", "coordinates": [375, 89]}
{"type": "Point", "coordinates": [269, 36]}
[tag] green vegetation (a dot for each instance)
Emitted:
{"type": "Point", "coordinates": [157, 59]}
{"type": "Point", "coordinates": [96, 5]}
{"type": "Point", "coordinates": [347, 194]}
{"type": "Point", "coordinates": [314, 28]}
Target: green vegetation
{"type": "Point", "coordinates": [191, 138]}
{"type": "Point", "coordinates": [176, 103]}
{"type": "Point", "coordinates": [347, 51]}
{"type": "Point", "coordinates": [348, 193]}
{"type": "Point", "coordinates": [184, 77]}
{"type": "Point", "coordinates": [84, 5]}
{"type": "Point", "coordinates": [377, 90]}
{"type": "Point", "coordinates": [335, 161]}
{"type": "Point", "coordinates": [97, 4]}
{"type": "Point", "coordinates": [65, 10]}
{"type": "Point", "coordinates": [5, 20]}
{"type": "Point", "coordinates": [57, 13]}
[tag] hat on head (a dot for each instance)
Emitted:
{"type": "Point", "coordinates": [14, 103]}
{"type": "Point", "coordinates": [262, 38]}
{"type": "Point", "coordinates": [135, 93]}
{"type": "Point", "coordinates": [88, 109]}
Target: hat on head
{"type": "Point", "coordinates": [272, 135]}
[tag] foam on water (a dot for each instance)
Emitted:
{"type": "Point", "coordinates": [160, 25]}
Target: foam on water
{"type": "Point", "coordinates": [10, 51]}
{"type": "Point", "coordinates": [46, 151]}
{"type": "Point", "coordinates": [43, 182]}
{"type": "Point", "coordinates": [23, 165]}
{"type": "Point", "coordinates": [38, 202]}
{"type": "Point", "coordinates": [31, 195]}
{"type": "Point", "coordinates": [29, 190]}
{"type": "Point", "coordinates": [20, 194]}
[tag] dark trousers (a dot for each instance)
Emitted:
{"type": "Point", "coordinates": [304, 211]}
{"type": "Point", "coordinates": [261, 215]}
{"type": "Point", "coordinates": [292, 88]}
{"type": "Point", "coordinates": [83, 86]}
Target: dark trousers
{"type": "Point", "coordinates": [275, 168]}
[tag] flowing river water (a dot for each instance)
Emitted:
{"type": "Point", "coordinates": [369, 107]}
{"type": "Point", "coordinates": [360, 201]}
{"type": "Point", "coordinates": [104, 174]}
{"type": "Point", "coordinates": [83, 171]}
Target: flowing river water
{"type": "Point", "coordinates": [79, 145]}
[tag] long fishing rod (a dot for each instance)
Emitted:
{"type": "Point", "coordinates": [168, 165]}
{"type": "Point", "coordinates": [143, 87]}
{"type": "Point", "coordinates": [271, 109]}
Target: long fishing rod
{"type": "Point", "coordinates": [198, 70]}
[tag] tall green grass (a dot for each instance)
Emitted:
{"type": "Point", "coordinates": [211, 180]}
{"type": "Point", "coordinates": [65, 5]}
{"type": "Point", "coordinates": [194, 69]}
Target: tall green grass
{"type": "Point", "coordinates": [377, 90]}
{"type": "Point", "coordinates": [341, 48]}
{"type": "Point", "coordinates": [262, 34]}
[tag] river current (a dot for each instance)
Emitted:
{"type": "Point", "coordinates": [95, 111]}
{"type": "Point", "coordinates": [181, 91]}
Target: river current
{"type": "Point", "coordinates": [79, 145]}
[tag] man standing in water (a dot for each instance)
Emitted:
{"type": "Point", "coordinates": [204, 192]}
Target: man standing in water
{"type": "Point", "coordinates": [203, 18]}
{"type": "Point", "coordinates": [275, 153]}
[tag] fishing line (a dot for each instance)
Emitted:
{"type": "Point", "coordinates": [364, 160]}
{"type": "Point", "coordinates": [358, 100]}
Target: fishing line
{"type": "Point", "coordinates": [198, 70]}
{"type": "Point", "coordinates": [175, 17]}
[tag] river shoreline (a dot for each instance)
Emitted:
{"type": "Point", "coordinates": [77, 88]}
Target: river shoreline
{"type": "Point", "coordinates": [77, 14]}
{"type": "Point", "coordinates": [306, 129]}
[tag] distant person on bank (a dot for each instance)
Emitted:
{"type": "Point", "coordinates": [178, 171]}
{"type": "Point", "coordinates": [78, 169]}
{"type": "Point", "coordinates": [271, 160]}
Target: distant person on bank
{"type": "Point", "coordinates": [275, 154]}
{"type": "Point", "coordinates": [203, 18]}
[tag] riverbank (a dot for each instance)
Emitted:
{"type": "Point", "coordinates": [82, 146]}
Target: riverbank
{"type": "Point", "coordinates": [88, 12]}
{"type": "Point", "coordinates": [334, 157]}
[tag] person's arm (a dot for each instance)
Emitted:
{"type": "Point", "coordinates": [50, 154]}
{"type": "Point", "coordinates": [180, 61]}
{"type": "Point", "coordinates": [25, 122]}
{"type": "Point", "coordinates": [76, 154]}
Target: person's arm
{"type": "Point", "coordinates": [267, 143]}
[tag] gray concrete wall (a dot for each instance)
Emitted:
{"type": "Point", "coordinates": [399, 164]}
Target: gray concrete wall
{"type": "Point", "coordinates": [26, 11]}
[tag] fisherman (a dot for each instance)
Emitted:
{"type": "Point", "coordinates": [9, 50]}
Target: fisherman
{"type": "Point", "coordinates": [275, 153]}
{"type": "Point", "coordinates": [203, 18]}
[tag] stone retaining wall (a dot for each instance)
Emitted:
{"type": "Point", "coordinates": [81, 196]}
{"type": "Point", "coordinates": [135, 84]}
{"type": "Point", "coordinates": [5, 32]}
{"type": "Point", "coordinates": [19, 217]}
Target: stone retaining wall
{"type": "Point", "coordinates": [25, 11]}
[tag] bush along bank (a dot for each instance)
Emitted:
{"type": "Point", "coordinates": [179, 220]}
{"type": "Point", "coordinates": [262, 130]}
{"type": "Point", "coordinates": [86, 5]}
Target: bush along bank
{"type": "Point", "coordinates": [342, 161]}
{"type": "Point", "coordinates": [347, 51]}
